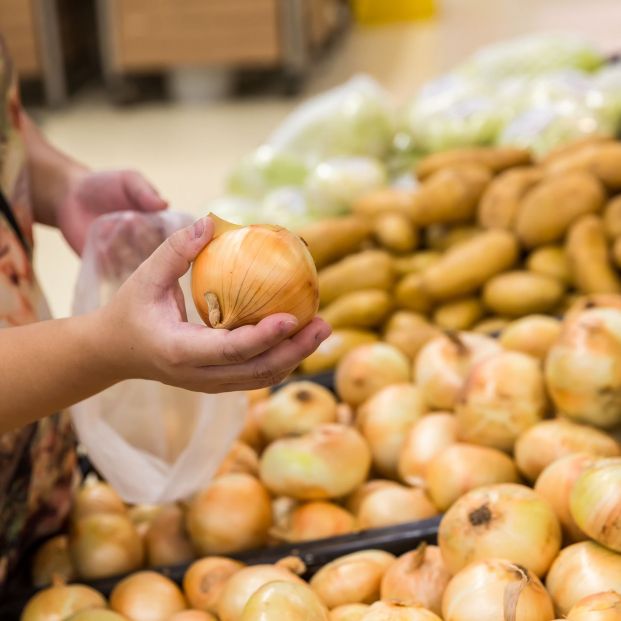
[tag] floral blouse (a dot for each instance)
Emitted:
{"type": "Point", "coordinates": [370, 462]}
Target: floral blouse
{"type": "Point", "coordinates": [37, 462]}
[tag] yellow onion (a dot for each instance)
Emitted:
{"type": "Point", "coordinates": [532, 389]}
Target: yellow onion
{"type": "Point", "coordinates": [241, 458]}
{"type": "Point", "coordinates": [328, 462]}
{"type": "Point", "coordinates": [532, 335]}
{"type": "Point", "coordinates": [396, 611]}
{"type": "Point", "coordinates": [95, 496]}
{"type": "Point", "coordinates": [496, 590]}
{"type": "Point", "coordinates": [395, 505]}
{"type": "Point", "coordinates": [345, 414]}
{"type": "Point", "coordinates": [583, 368]}
{"type": "Point", "coordinates": [234, 513]}
{"type": "Point", "coordinates": [60, 601]}
{"type": "Point", "coordinates": [409, 331]}
{"type": "Point", "coordinates": [599, 607]}
{"type": "Point", "coordinates": [240, 587]}
{"type": "Point", "coordinates": [595, 300]}
{"type": "Point", "coordinates": [549, 440]}
{"type": "Point", "coordinates": [506, 521]}
{"type": "Point", "coordinates": [352, 579]}
{"type": "Point", "coordinates": [280, 600]}
{"type": "Point", "coordinates": [580, 570]}
{"type": "Point", "coordinates": [166, 542]}
{"type": "Point", "coordinates": [443, 364]}
{"type": "Point", "coordinates": [257, 395]}
{"type": "Point", "coordinates": [52, 560]}
{"type": "Point", "coordinates": [147, 596]}
{"type": "Point", "coordinates": [296, 409]}
{"type": "Point", "coordinates": [355, 499]}
{"type": "Point", "coordinates": [205, 579]}
{"type": "Point", "coordinates": [555, 484]}
{"type": "Point", "coordinates": [193, 615]}
{"type": "Point", "coordinates": [503, 396]}
{"type": "Point", "coordinates": [428, 437]}
{"type": "Point", "coordinates": [348, 612]}
{"type": "Point", "coordinates": [367, 369]}
{"type": "Point", "coordinates": [251, 431]}
{"type": "Point", "coordinates": [105, 544]}
{"type": "Point", "coordinates": [460, 468]}
{"type": "Point", "coordinates": [595, 502]}
{"type": "Point", "coordinates": [385, 420]}
{"type": "Point", "coordinates": [247, 273]}
{"type": "Point", "coordinates": [96, 614]}
{"type": "Point", "coordinates": [417, 577]}
{"type": "Point", "coordinates": [141, 517]}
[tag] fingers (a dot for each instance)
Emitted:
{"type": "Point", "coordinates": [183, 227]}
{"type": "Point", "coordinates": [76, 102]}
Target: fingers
{"type": "Point", "coordinates": [141, 193]}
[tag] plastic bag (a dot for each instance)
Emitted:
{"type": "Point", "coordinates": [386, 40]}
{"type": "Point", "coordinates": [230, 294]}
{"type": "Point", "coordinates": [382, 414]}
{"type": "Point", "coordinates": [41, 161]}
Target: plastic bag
{"type": "Point", "coordinates": [153, 443]}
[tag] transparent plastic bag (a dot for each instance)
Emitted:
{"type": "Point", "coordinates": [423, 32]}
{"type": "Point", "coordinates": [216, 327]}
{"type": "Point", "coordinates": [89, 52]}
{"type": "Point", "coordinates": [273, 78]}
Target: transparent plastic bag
{"type": "Point", "coordinates": [153, 443]}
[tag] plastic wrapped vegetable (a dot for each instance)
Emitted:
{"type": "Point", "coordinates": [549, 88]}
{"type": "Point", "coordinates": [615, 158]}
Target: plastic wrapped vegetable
{"type": "Point", "coordinates": [287, 206]}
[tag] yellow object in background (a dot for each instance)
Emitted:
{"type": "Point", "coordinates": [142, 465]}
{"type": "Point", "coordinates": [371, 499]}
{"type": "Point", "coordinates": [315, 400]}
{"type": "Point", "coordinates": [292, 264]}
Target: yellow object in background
{"type": "Point", "coordinates": [372, 12]}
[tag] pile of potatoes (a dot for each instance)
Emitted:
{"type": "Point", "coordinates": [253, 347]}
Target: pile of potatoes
{"type": "Point", "coordinates": [490, 235]}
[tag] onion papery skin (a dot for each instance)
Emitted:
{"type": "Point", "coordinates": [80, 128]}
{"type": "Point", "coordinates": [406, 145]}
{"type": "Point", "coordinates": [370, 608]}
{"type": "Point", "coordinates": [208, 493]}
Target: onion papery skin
{"type": "Point", "coordinates": [52, 560]}
{"type": "Point", "coordinates": [348, 612]}
{"type": "Point", "coordinates": [356, 498]}
{"type": "Point", "coordinates": [599, 607]}
{"type": "Point", "coordinates": [241, 458]}
{"type": "Point", "coordinates": [95, 496]}
{"type": "Point", "coordinates": [57, 603]}
{"type": "Point", "coordinates": [396, 611]}
{"type": "Point", "coordinates": [533, 335]}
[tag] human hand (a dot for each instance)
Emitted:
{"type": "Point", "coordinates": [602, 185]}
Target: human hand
{"type": "Point", "coordinates": [143, 332]}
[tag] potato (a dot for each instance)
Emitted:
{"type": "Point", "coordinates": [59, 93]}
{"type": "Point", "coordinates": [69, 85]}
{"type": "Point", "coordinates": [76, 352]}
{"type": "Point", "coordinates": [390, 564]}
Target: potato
{"type": "Point", "coordinates": [359, 309]}
{"type": "Point", "coordinates": [574, 147]}
{"type": "Point", "coordinates": [519, 293]}
{"type": "Point", "coordinates": [532, 335]}
{"type": "Point", "coordinates": [612, 218]}
{"type": "Point", "coordinates": [459, 315]}
{"type": "Point", "coordinates": [587, 251]}
{"type": "Point", "coordinates": [410, 293]}
{"type": "Point", "coordinates": [550, 261]}
{"type": "Point", "coordinates": [371, 269]}
{"type": "Point", "coordinates": [416, 262]}
{"type": "Point", "coordinates": [469, 265]}
{"type": "Point", "coordinates": [492, 326]}
{"type": "Point", "coordinates": [549, 209]}
{"type": "Point", "coordinates": [440, 237]}
{"type": "Point", "coordinates": [500, 203]}
{"type": "Point", "coordinates": [616, 252]}
{"type": "Point", "coordinates": [384, 200]}
{"type": "Point", "coordinates": [395, 232]}
{"type": "Point", "coordinates": [409, 332]}
{"type": "Point", "coordinates": [330, 352]}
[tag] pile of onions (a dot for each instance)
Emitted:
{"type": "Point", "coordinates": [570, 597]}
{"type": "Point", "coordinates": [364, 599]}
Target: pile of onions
{"type": "Point", "coordinates": [356, 498]}
{"type": "Point", "coordinates": [251, 431]}
{"type": "Point", "coordinates": [555, 484]}
{"type": "Point", "coordinates": [204, 581]}
{"type": "Point", "coordinates": [352, 579]}
{"type": "Point", "coordinates": [241, 458]}
{"type": "Point", "coordinates": [97, 614]}
{"type": "Point", "coordinates": [396, 611]}
{"type": "Point", "coordinates": [428, 437]}
{"type": "Point", "coordinates": [599, 607]}
{"type": "Point", "coordinates": [233, 513]}
{"type": "Point", "coordinates": [51, 561]}
{"type": "Point", "coordinates": [533, 335]}
{"type": "Point", "coordinates": [95, 496]}
{"type": "Point", "coordinates": [147, 596]}
{"type": "Point", "coordinates": [417, 577]}
{"type": "Point", "coordinates": [460, 468]}
{"type": "Point", "coordinates": [476, 527]}
{"type": "Point", "coordinates": [385, 420]}
{"type": "Point", "coordinates": [596, 502]}
{"type": "Point", "coordinates": [551, 439]}
{"type": "Point", "coordinates": [369, 368]}
{"type": "Point", "coordinates": [166, 541]}
{"type": "Point", "coordinates": [142, 516]}
{"type": "Point", "coordinates": [328, 462]}
{"type": "Point", "coordinates": [191, 615]}
{"type": "Point", "coordinates": [580, 570]}
{"type": "Point", "coordinates": [496, 589]}
{"type": "Point", "coordinates": [348, 612]}
{"type": "Point", "coordinates": [61, 601]}
{"type": "Point", "coordinates": [296, 409]}
{"type": "Point", "coordinates": [444, 362]}
{"type": "Point", "coordinates": [503, 396]}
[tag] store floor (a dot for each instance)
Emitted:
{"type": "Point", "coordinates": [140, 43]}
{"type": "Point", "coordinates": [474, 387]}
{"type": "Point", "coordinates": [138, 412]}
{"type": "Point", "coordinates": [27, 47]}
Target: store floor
{"type": "Point", "coordinates": [187, 149]}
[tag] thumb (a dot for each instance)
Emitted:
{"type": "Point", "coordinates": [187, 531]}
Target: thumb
{"type": "Point", "coordinates": [141, 194]}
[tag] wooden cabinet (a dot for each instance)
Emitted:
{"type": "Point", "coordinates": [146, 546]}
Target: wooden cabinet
{"type": "Point", "coordinates": [20, 30]}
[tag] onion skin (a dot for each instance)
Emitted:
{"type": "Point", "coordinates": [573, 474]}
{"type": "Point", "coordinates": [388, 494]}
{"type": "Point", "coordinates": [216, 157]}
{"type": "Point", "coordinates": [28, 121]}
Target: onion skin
{"type": "Point", "coordinates": [241, 458]}
{"type": "Point", "coordinates": [487, 591]}
{"type": "Point", "coordinates": [205, 579]}
{"type": "Point", "coordinates": [356, 498]}
{"type": "Point", "coordinates": [396, 611]}
{"type": "Point", "coordinates": [533, 335]}
{"type": "Point", "coordinates": [142, 516]}
{"type": "Point", "coordinates": [599, 607]}
{"type": "Point", "coordinates": [52, 560]}
{"type": "Point", "coordinates": [95, 496]}
{"type": "Point", "coordinates": [595, 502]}
{"type": "Point", "coordinates": [460, 468]}
{"type": "Point", "coordinates": [234, 513]}
{"type": "Point", "coordinates": [96, 614]}
{"type": "Point", "coordinates": [419, 577]}
{"type": "Point", "coordinates": [348, 612]}
{"type": "Point", "coordinates": [251, 432]}
{"type": "Point", "coordinates": [57, 603]}
{"type": "Point", "coordinates": [475, 528]}
{"type": "Point", "coordinates": [580, 570]}
{"type": "Point", "coordinates": [193, 615]}
{"type": "Point", "coordinates": [166, 541]}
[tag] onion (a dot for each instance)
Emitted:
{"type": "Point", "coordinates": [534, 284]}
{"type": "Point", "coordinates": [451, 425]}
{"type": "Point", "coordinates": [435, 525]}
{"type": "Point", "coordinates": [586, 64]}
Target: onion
{"type": "Point", "coordinates": [243, 584]}
{"type": "Point", "coordinates": [241, 458]}
{"type": "Point", "coordinates": [105, 544]}
{"type": "Point", "coordinates": [258, 395]}
{"type": "Point", "coordinates": [396, 611]}
{"type": "Point", "coordinates": [599, 607]}
{"type": "Point", "coordinates": [580, 570]}
{"type": "Point", "coordinates": [409, 331]}
{"type": "Point", "coordinates": [284, 600]}
{"type": "Point", "coordinates": [596, 300]}
{"type": "Point", "coordinates": [460, 468]}
{"type": "Point", "coordinates": [532, 335]}
{"type": "Point", "coordinates": [354, 500]}
{"type": "Point", "coordinates": [95, 496]}
{"type": "Point", "coordinates": [496, 590]}
{"type": "Point", "coordinates": [419, 577]}
{"type": "Point", "coordinates": [52, 560]}
{"type": "Point", "coordinates": [296, 409]}
{"type": "Point", "coordinates": [551, 439]}
{"type": "Point", "coordinates": [352, 579]}
{"type": "Point", "coordinates": [555, 484]}
{"type": "Point", "coordinates": [205, 579]}
{"type": "Point", "coordinates": [505, 521]}
{"type": "Point", "coordinates": [193, 615]}
{"type": "Point", "coordinates": [595, 502]}
{"type": "Point", "coordinates": [166, 542]}
{"type": "Point", "coordinates": [444, 362]}
{"type": "Point", "coordinates": [367, 369]}
{"type": "Point", "coordinates": [234, 513]}
{"type": "Point", "coordinates": [395, 505]}
{"type": "Point", "coordinates": [385, 420]}
{"type": "Point", "coordinates": [345, 414]}
{"type": "Point", "coordinates": [348, 612]}
{"type": "Point", "coordinates": [328, 462]}
{"type": "Point", "coordinates": [503, 396]}
{"type": "Point", "coordinates": [251, 431]}
{"type": "Point", "coordinates": [428, 437]}
{"type": "Point", "coordinates": [142, 516]}
{"type": "Point", "coordinates": [96, 614]}
{"type": "Point", "coordinates": [60, 601]}
{"type": "Point", "coordinates": [147, 596]}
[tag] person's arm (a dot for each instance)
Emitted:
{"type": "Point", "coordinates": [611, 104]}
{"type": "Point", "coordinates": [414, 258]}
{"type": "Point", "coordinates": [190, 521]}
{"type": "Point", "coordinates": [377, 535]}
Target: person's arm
{"type": "Point", "coordinates": [143, 333]}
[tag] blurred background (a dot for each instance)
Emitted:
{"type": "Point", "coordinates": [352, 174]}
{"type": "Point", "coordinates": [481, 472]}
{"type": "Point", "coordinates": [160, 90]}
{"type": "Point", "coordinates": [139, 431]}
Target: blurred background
{"type": "Point", "coordinates": [183, 90]}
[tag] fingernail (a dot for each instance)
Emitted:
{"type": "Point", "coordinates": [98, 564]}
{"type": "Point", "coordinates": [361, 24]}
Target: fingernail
{"type": "Point", "coordinates": [199, 228]}
{"type": "Point", "coordinates": [288, 325]}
